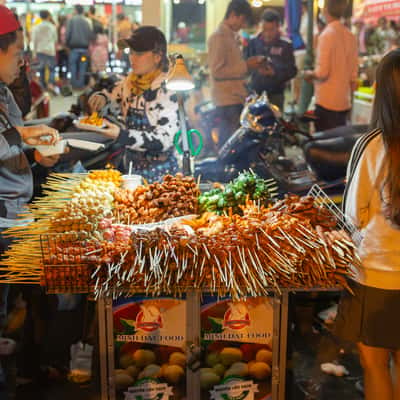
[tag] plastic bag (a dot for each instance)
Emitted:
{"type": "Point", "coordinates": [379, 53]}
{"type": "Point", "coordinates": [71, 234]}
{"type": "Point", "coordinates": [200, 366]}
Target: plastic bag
{"type": "Point", "coordinates": [81, 362]}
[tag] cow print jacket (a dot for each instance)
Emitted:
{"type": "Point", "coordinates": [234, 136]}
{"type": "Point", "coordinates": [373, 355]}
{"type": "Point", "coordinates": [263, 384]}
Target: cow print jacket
{"type": "Point", "coordinates": [151, 119]}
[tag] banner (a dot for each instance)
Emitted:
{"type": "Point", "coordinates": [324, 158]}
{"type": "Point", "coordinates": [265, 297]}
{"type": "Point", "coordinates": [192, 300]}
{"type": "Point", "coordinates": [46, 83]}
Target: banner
{"type": "Point", "coordinates": [372, 10]}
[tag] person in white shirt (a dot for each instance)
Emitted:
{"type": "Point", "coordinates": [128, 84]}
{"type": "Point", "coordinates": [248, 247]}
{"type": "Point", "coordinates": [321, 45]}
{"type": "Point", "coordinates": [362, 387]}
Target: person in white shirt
{"type": "Point", "coordinates": [336, 70]}
{"type": "Point", "coordinates": [369, 317]}
{"type": "Point", "coordinates": [44, 41]}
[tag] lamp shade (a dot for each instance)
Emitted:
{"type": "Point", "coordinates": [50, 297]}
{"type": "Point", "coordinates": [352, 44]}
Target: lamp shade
{"type": "Point", "coordinates": [180, 80]}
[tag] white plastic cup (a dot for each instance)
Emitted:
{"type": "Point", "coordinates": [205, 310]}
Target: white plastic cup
{"type": "Point", "coordinates": [131, 181]}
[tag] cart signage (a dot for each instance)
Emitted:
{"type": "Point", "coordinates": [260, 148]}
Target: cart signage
{"type": "Point", "coordinates": [149, 389]}
{"type": "Point", "coordinates": [237, 340]}
{"type": "Point", "coordinates": [150, 343]}
{"type": "Point", "coordinates": [152, 321]}
{"type": "Point", "coordinates": [234, 389]}
{"type": "Point", "coordinates": [248, 321]}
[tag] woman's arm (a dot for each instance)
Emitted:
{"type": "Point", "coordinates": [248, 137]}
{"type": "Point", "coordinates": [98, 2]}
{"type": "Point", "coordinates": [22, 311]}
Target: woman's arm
{"type": "Point", "coordinates": [361, 178]}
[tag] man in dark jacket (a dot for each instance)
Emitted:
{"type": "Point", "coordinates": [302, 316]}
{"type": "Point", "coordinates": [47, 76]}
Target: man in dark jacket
{"type": "Point", "coordinates": [279, 66]}
{"type": "Point", "coordinates": [79, 35]}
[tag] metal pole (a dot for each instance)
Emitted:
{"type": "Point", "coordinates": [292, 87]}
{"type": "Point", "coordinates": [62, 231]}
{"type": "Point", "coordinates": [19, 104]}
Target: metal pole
{"type": "Point", "coordinates": [275, 346]}
{"type": "Point", "coordinates": [193, 330]}
{"type": "Point", "coordinates": [283, 343]}
{"type": "Point", "coordinates": [103, 348]}
{"type": "Point", "coordinates": [186, 169]}
{"type": "Point", "coordinates": [110, 349]}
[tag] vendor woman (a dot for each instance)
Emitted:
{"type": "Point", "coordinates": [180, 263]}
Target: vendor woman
{"type": "Point", "coordinates": [149, 110]}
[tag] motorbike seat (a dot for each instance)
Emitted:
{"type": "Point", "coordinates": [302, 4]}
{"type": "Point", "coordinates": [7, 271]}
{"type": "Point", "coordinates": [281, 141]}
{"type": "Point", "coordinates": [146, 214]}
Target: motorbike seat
{"type": "Point", "coordinates": [328, 158]}
{"type": "Point", "coordinates": [341, 131]}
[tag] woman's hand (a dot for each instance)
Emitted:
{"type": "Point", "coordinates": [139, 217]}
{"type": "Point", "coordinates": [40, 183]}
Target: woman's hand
{"type": "Point", "coordinates": [111, 131]}
{"type": "Point", "coordinates": [97, 102]}
{"type": "Point", "coordinates": [38, 135]}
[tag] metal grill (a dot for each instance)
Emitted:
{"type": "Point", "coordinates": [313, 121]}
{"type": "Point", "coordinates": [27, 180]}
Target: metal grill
{"type": "Point", "coordinates": [322, 199]}
{"type": "Point", "coordinates": [65, 266]}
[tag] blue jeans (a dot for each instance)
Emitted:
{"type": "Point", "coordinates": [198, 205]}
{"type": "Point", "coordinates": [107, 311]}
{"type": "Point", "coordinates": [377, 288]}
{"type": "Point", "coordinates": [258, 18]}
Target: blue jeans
{"type": "Point", "coordinates": [46, 61]}
{"type": "Point", "coordinates": [78, 66]}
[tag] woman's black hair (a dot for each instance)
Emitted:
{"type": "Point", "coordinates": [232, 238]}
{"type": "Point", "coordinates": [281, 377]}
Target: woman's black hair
{"type": "Point", "coordinates": [386, 117]}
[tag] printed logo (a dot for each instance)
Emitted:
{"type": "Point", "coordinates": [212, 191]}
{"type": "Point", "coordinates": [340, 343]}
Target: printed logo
{"type": "Point", "coordinates": [149, 318]}
{"type": "Point", "coordinates": [149, 389]}
{"type": "Point", "coordinates": [237, 316]}
{"type": "Point", "coordinates": [234, 389]}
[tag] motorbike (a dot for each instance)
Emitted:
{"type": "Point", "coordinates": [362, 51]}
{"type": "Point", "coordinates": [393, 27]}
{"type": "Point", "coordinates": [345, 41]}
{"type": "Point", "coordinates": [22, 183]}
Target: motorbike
{"type": "Point", "coordinates": [275, 148]}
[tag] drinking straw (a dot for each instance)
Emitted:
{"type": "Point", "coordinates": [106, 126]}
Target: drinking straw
{"type": "Point", "coordinates": [130, 168]}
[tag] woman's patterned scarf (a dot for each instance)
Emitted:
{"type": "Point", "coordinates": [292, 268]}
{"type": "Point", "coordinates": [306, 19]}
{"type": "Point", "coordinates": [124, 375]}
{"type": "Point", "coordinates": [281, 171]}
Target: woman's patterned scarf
{"type": "Point", "coordinates": [141, 83]}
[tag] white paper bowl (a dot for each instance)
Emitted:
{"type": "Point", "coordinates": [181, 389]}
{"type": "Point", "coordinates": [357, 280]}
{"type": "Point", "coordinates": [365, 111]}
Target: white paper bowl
{"type": "Point", "coordinates": [51, 150]}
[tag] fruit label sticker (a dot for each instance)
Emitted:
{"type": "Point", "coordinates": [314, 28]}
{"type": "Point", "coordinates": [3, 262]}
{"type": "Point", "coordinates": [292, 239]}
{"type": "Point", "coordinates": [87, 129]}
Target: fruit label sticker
{"type": "Point", "coordinates": [149, 389]}
{"type": "Point", "coordinates": [152, 321]}
{"type": "Point", "coordinates": [247, 321]}
{"type": "Point", "coordinates": [234, 389]}
{"type": "Point", "coordinates": [236, 337]}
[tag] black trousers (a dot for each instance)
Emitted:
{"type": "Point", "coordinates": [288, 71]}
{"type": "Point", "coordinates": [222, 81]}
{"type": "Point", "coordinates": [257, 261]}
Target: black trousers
{"type": "Point", "coordinates": [229, 121]}
{"type": "Point", "coordinates": [328, 119]}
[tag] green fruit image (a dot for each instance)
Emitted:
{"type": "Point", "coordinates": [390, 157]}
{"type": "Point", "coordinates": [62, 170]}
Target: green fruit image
{"type": "Point", "coordinates": [133, 371]}
{"type": "Point", "coordinates": [143, 358]}
{"type": "Point", "coordinates": [237, 369]}
{"type": "Point", "coordinates": [123, 380]}
{"type": "Point", "coordinates": [208, 379]}
{"type": "Point", "coordinates": [212, 359]}
{"type": "Point", "coordinates": [151, 371]}
{"type": "Point", "coordinates": [126, 360]}
{"type": "Point", "coordinates": [230, 355]}
{"type": "Point", "coordinates": [219, 369]}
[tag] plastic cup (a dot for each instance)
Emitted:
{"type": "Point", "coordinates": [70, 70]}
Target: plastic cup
{"type": "Point", "coordinates": [131, 181]}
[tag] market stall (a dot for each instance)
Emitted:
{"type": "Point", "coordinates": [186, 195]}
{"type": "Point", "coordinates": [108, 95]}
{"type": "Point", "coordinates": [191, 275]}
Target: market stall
{"type": "Point", "coordinates": [189, 283]}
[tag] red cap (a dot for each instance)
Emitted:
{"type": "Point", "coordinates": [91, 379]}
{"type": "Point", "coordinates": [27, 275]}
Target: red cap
{"type": "Point", "coordinates": [8, 21]}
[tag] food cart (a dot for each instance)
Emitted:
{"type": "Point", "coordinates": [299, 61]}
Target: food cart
{"type": "Point", "coordinates": [191, 289]}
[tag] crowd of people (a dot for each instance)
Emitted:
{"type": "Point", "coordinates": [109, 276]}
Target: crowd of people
{"type": "Point", "coordinates": [376, 38]}
{"type": "Point", "coordinates": [72, 45]}
{"type": "Point", "coordinates": [148, 122]}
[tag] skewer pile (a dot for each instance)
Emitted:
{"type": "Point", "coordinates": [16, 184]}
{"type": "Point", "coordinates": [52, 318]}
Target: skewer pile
{"type": "Point", "coordinates": [173, 197]}
{"type": "Point", "coordinates": [237, 255]}
{"type": "Point", "coordinates": [22, 263]}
